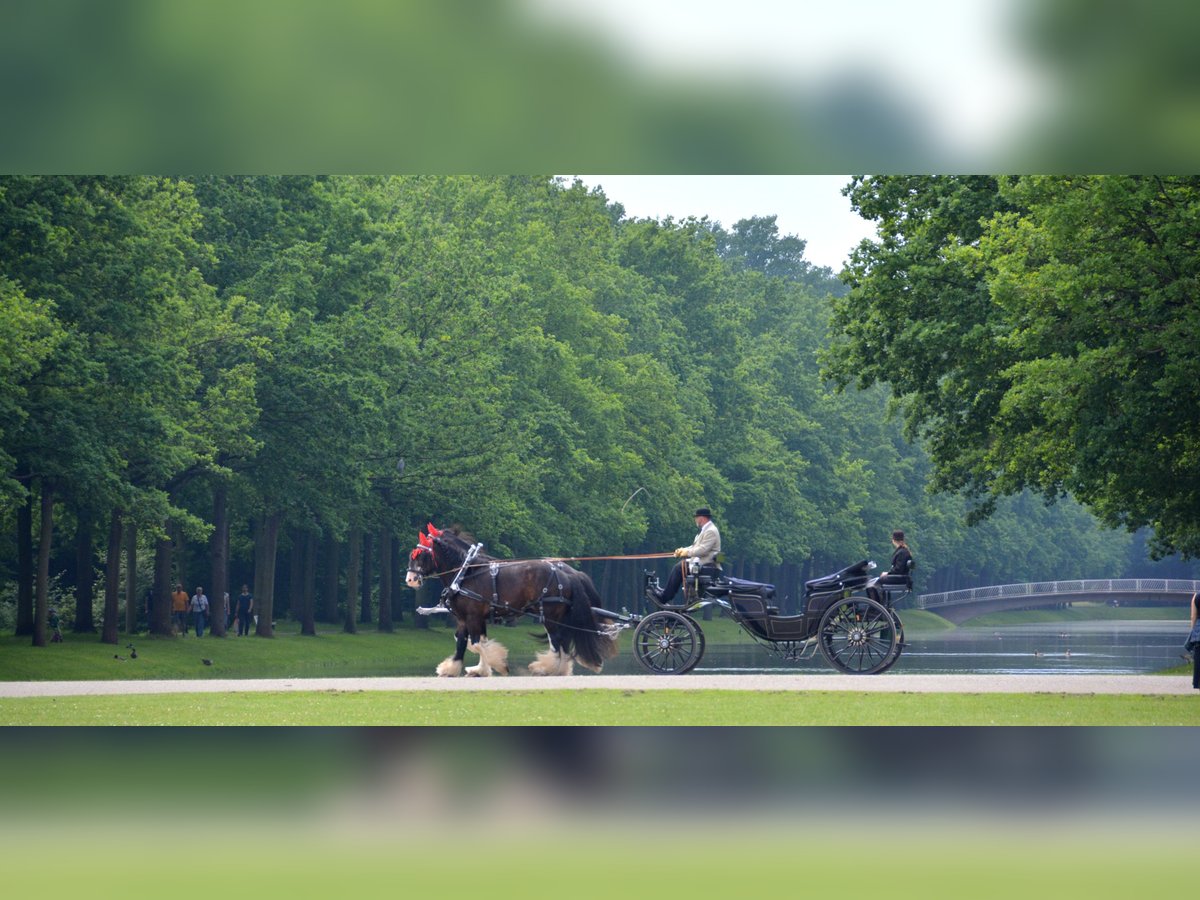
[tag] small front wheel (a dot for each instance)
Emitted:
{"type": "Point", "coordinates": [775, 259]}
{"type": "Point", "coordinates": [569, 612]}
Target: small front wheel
{"type": "Point", "coordinates": [668, 642]}
{"type": "Point", "coordinates": [859, 636]}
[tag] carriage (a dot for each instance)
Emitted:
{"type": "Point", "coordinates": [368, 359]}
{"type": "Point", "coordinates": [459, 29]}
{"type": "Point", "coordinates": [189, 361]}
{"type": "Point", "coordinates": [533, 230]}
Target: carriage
{"type": "Point", "coordinates": [848, 616]}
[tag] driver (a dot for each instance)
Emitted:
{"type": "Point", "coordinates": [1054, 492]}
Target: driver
{"type": "Point", "coordinates": [705, 547]}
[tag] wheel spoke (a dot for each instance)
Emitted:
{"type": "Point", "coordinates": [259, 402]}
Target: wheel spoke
{"type": "Point", "coordinates": [668, 643]}
{"type": "Point", "coordinates": [859, 636]}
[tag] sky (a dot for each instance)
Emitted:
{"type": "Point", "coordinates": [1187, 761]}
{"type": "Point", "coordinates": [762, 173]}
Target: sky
{"type": "Point", "coordinates": [811, 207]}
{"type": "Point", "coordinates": [959, 62]}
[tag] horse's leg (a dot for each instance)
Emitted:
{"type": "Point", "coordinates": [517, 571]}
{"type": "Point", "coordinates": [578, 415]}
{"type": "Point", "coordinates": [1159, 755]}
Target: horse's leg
{"type": "Point", "coordinates": [494, 653]}
{"type": "Point", "coordinates": [453, 665]}
{"type": "Point", "coordinates": [477, 643]}
{"type": "Point", "coordinates": [552, 661]}
{"type": "Point", "coordinates": [493, 657]}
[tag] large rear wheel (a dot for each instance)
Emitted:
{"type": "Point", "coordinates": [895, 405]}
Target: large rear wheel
{"type": "Point", "coordinates": [899, 641]}
{"type": "Point", "coordinates": [668, 643]}
{"type": "Point", "coordinates": [859, 636]}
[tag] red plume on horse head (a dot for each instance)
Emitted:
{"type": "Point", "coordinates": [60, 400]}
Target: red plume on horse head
{"type": "Point", "coordinates": [433, 532]}
{"type": "Point", "coordinates": [424, 540]}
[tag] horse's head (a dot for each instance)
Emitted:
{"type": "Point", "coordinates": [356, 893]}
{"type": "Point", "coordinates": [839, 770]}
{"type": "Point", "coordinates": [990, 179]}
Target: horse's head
{"type": "Point", "coordinates": [436, 552]}
{"type": "Point", "coordinates": [421, 562]}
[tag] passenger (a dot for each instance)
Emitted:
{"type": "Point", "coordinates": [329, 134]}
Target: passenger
{"type": "Point", "coordinates": [705, 547]}
{"type": "Point", "coordinates": [900, 573]}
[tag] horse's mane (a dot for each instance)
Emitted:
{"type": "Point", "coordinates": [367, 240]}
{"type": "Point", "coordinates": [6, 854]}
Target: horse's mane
{"type": "Point", "coordinates": [459, 545]}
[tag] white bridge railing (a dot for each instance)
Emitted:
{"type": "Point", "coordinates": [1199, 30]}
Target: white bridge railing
{"type": "Point", "coordinates": [1061, 588]}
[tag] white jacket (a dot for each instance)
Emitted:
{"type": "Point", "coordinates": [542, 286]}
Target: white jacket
{"type": "Point", "coordinates": [706, 545]}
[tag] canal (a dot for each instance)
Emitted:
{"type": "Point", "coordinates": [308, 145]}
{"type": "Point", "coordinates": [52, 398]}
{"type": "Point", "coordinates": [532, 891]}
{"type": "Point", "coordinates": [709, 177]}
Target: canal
{"type": "Point", "coordinates": [1101, 647]}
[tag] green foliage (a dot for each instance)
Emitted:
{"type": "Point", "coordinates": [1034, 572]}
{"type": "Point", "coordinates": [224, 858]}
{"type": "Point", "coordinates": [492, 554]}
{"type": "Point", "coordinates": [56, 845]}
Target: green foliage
{"type": "Point", "coordinates": [555, 377]}
{"type": "Point", "coordinates": [1041, 333]}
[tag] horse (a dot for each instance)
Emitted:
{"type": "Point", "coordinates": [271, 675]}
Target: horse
{"type": "Point", "coordinates": [479, 587]}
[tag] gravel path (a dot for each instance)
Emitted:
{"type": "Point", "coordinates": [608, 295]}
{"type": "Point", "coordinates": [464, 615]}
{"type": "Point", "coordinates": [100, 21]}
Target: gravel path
{"type": "Point", "coordinates": [969, 684]}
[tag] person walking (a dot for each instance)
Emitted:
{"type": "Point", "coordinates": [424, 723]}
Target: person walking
{"type": "Point", "coordinates": [199, 608]}
{"type": "Point", "coordinates": [245, 607]}
{"type": "Point", "coordinates": [179, 610]}
{"type": "Point", "coordinates": [1192, 642]}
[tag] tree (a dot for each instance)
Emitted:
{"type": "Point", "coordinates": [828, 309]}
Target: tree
{"type": "Point", "coordinates": [1038, 332]}
{"type": "Point", "coordinates": [114, 261]}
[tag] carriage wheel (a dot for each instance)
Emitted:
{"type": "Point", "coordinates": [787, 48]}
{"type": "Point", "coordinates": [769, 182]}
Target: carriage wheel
{"type": "Point", "coordinates": [899, 644]}
{"type": "Point", "coordinates": [668, 643]}
{"type": "Point", "coordinates": [859, 636]}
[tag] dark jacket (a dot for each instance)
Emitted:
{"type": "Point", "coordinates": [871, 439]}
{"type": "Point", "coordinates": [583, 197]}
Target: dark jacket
{"type": "Point", "coordinates": [901, 562]}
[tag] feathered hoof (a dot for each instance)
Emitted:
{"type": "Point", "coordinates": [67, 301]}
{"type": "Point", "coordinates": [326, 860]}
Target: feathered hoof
{"type": "Point", "coordinates": [494, 654]}
{"type": "Point", "coordinates": [450, 668]}
{"type": "Point", "coordinates": [550, 662]}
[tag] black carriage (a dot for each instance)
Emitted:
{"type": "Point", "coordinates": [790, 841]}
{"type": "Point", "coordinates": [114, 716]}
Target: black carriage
{"type": "Point", "coordinates": [848, 616]}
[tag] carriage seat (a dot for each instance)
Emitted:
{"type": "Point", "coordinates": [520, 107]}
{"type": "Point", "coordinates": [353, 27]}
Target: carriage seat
{"type": "Point", "coordinates": [754, 612]}
{"type": "Point", "coordinates": [849, 577]}
{"type": "Point", "coordinates": [739, 588]}
{"type": "Point", "coordinates": [824, 583]}
{"type": "Point", "coordinates": [751, 597]}
{"type": "Point", "coordinates": [888, 584]}
{"type": "Point", "coordinates": [722, 586]}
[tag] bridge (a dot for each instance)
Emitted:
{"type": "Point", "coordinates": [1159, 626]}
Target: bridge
{"type": "Point", "coordinates": [958, 606]}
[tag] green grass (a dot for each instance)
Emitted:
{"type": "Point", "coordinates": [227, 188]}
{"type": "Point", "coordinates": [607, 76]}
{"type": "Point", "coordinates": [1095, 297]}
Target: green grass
{"type": "Point", "coordinates": [570, 856]}
{"type": "Point", "coordinates": [1182, 670]}
{"type": "Point", "coordinates": [1080, 612]}
{"type": "Point", "coordinates": [601, 707]}
{"type": "Point", "coordinates": [329, 654]}
{"type": "Point", "coordinates": [917, 621]}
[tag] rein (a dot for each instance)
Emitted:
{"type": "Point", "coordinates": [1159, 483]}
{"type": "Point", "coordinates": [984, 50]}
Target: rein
{"type": "Point", "coordinates": [549, 559]}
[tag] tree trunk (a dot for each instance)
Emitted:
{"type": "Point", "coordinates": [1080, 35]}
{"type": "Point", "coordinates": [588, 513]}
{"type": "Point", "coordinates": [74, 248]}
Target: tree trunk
{"type": "Point", "coordinates": [364, 615]}
{"type": "Point", "coordinates": [329, 599]}
{"type": "Point", "coordinates": [219, 559]}
{"type": "Point", "coordinates": [41, 604]}
{"type": "Point", "coordinates": [160, 615]}
{"type": "Point", "coordinates": [295, 591]}
{"type": "Point", "coordinates": [85, 576]}
{"type": "Point", "coordinates": [385, 581]}
{"type": "Point", "coordinates": [179, 556]}
{"type": "Point", "coordinates": [112, 580]}
{"type": "Point", "coordinates": [398, 586]}
{"type": "Point", "coordinates": [25, 565]}
{"type": "Point", "coordinates": [131, 600]}
{"type": "Point", "coordinates": [266, 545]}
{"type": "Point", "coordinates": [353, 559]}
{"type": "Point", "coordinates": [308, 604]}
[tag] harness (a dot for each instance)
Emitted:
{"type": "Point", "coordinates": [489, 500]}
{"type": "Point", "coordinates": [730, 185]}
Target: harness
{"type": "Point", "coordinates": [553, 580]}
{"type": "Point", "coordinates": [456, 585]}
{"type": "Point", "coordinates": [552, 592]}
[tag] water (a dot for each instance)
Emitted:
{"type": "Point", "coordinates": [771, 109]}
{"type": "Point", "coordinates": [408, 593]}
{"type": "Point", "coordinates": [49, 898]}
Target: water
{"type": "Point", "coordinates": [1084, 648]}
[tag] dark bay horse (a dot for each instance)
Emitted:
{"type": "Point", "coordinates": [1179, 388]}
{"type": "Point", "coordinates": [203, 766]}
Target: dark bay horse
{"type": "Point", "coordinates": [560, 596]}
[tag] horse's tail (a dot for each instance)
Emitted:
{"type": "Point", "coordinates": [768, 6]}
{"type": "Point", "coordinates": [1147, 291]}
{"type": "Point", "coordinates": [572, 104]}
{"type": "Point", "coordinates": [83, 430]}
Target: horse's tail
{"type": "Point", "coordinates": [584, 636]}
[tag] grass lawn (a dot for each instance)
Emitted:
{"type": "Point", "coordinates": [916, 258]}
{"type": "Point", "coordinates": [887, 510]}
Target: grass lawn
{"type": "Point", "coordinates": [415, 652]}
{"type": "Point", "coordinates": [1079, 612]}
{"type": "Point", "coordinates": [331, 653]}
{"type": "Point", "coordinates": [601, 707]}
{"type": "Point", "coordinates": [572, 857]}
